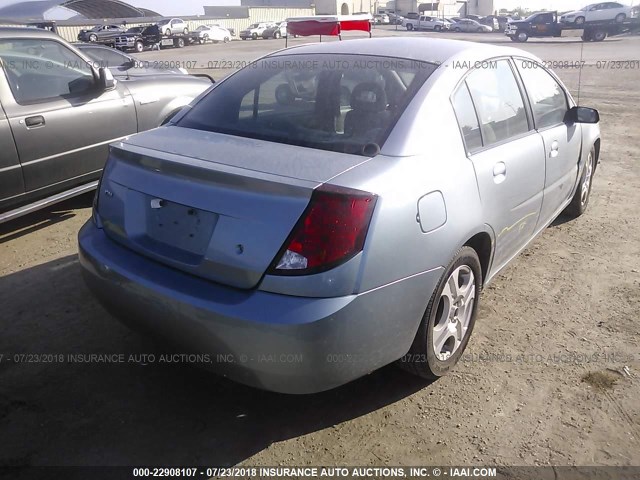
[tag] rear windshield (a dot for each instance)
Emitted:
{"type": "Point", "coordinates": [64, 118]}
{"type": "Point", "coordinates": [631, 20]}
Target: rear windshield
{"type": "Point", "coordinates": [341, 103]}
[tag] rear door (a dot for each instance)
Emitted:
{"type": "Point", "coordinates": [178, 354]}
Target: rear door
{"type": "Point", "coordinates": [507, 154]}
{"type": "Point", "coordinates": [562, 142]}
{"type": "Point", "coordinates": [61, 123]}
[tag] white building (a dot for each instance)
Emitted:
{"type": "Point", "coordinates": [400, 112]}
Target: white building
{"type": "Point", "coordinates": [342, 7]}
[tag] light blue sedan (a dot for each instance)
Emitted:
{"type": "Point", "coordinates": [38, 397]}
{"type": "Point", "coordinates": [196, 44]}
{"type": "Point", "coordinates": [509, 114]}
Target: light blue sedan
{"type": "Point", "coordinates": [337, 207]}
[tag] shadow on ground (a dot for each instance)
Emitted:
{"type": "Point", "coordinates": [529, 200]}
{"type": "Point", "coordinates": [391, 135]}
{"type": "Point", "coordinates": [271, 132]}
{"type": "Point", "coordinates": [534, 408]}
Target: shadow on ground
{"type": "Point", "coordinates": [62, 413]}
{"type": "Point", "coordinates": [44, 218]}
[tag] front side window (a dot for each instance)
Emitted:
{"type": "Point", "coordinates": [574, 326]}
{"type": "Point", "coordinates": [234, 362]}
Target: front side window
{"type": "Point", "coordinates": [330, 102]}
{"type": "Point", "coordinates": [548, 100]}
{"type": "Point", "coordinates": [40, 70]}
{"type": "Point", "coordinates": [498, 101]}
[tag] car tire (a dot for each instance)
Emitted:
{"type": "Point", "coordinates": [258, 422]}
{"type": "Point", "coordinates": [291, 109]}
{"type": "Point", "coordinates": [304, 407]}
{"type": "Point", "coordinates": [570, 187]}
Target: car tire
{"type": "Point", "coordinates": [277, 35]}
{"type": "Point", "coordinates": [185, 31]}
{"type": "Point", "coordinates": [457, 29]}
{"type": "Point", "coordinates": [522, 37]}
{"type": "Point", "coordinates": [441, 324]}
{"type": "Point", "coordinates": [437, 28]}
{"type": "Point", "coordinates": [579, 20]}
{"type": "Point", "coordinates": [580, 200]}
{"type": "Point", "coordinates": [167, 32]}
{"type": "Point", "coordinates": [93, 37]}
{"type": "Point", "coordinates": [180, 42]}
{"type": "Point", "coordinates": [620, 18]}
{"type": "Point", "coordinates": [226, 39]}
{"type": "Point", "coordinates": [139, 47]}
{"type": "Point", "coordinates": [599, 35]}
{"type": "Point", "coordinates": [410, 27]}
{"type": "Point", "coordinates": [254, 36]}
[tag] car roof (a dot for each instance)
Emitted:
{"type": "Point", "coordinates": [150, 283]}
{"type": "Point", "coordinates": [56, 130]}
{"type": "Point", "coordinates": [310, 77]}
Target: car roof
{"type": "Point", "coordinates": [436, 50]}
{"type": "Point", "coordinates": [24, 32]}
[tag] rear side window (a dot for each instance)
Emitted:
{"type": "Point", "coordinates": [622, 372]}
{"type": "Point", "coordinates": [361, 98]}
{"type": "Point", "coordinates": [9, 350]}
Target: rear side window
{"type": "Point", "coordinates": [498, 101]}
{"type": "Point", "coordinates": [548, 100]}
{"type": "Point", "coordinates": [467, 118]}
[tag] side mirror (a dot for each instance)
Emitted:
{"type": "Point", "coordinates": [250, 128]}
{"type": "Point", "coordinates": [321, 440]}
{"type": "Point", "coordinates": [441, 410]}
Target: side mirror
{"type": "Point", "coordinates": [582, 115]}
{"type": "Point", "coordinates": [106, 80]}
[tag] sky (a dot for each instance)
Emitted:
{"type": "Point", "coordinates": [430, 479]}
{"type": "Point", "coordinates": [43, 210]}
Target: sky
{"type": "Point", "coordinates": [195, 7]}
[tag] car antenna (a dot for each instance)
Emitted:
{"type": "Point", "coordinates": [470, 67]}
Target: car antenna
{"type": "Point", "coordinates": [580, 71]}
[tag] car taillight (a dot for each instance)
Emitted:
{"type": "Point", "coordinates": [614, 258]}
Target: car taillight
{"type": "Point", "coordinates": [331, 230]}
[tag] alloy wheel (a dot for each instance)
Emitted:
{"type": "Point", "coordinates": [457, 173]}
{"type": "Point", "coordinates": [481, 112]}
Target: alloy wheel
{"type": "Point", "coordinates": [455, 308]}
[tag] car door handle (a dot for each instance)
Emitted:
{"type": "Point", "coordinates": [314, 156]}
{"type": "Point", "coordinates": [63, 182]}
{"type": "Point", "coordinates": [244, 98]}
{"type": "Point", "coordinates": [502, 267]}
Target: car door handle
{"type": "Point", "coordinates": [35, 121]}
{"type": "Point", "coordinates": [499, 172]}
{"type": "Point", "coordinates": [554, 149]}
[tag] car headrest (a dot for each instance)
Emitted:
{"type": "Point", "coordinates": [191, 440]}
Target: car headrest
{"type": "Point", "coordinates": [368, 97]}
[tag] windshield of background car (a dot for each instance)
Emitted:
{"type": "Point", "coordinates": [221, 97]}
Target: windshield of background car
{"type": "Point", "coordinates": [340, 103]}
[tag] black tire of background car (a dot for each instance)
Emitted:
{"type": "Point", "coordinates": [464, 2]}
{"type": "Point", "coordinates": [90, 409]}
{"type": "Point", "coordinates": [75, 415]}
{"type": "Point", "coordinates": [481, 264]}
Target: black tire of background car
{"type": "Point", "coordinates": [254, 36]}
{"type": "Point", "coordinates": [167, 32]}
{"type": "Point", "coordinates": [457, 29]}
{"type": "Point", "coordinates": [437, 28]}
{"type": "Point", "coordinates": [277, 35]}
{"type": "Point", "coordinates": [410, 26]}
{"type": "Point", "coordinates": [180, 43]}
{"type": "Point", "coordinates": [620, 17]}
{"type": "Point", "coordinates": [139, 47]}
{"type": "Point", "coordinates": [421, 359]}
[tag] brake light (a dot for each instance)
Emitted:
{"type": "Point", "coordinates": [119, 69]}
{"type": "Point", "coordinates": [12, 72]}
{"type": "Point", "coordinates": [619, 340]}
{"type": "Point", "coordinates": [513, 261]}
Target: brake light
{"type": "Point", "coordinates": [331, 230]}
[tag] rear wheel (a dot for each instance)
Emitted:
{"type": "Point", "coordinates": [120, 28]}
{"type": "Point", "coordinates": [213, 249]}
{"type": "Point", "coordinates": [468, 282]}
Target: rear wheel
{"type": "Point", "coordinates": [180, 42]}
{"type": "Point", "coordinates": [410, 27]}
{"type": "Point", "coordinates": [448, 321]}
{"type": "Point", "coordinates": [437, 28]}
{"type": "Point", "coordinates": [254, 36]}
{"type": "Point", "coordinates": [580, 200]}
{"type": "Point", "coordinates": [277, 35]}
{"type": "Point", "coordinates": [93, 37]}
{"type": "Point", "coordinates": [599, 35]}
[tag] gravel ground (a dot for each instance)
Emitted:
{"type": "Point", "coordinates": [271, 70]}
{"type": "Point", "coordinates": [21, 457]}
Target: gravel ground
{"type": "Point", "coordinates": [543, 381]}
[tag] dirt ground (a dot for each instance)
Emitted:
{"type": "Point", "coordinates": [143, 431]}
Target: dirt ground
{"type": "Point", "coordinates": [551, 375]}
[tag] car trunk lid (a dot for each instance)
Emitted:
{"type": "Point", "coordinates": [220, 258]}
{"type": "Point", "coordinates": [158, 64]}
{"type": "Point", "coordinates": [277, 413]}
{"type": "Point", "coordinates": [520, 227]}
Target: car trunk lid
{"type": "Point", "coordinates": [216, 206]}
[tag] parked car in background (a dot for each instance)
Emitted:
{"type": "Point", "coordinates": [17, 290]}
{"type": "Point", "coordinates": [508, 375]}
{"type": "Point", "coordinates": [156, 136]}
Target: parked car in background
{"type": "Point", "coordinates": [101, 33]}
{"type": "Point", "coordinates": [279, 30]}
{"type": "Point", "coordinates": [424, 22]}
{"type": "Point", "coordinates": [599, 12]}
{"type": "Point", "coordinates": [213, 33]}
{"type": "Point", "coordinates": [123, 65]}
{"type": "Point", "coordinates": [381, 19]}
{"type": "Point", "coordinates": [468, 25]}
{"type": "Point", "coordinates": [353, 237]}
{"type": "Point", "coordinates": [173, 26]}
{"type": "Point", "coordinates": [59, 113]}
{"type": "Point", "coordinates": [139, 38]}
{"type": "Point", "coordinates": [490, 21]}
{"type": "Point", "coordinates": [255, 30]}
{"type": "Point", "coordinates": [449, 22]}
{"type": "Point", "coordinates": [395, 19]}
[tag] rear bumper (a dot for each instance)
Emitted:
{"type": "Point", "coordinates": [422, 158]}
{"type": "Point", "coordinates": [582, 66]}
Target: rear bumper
{"type": "Point", "coordinates": [276, 342]}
